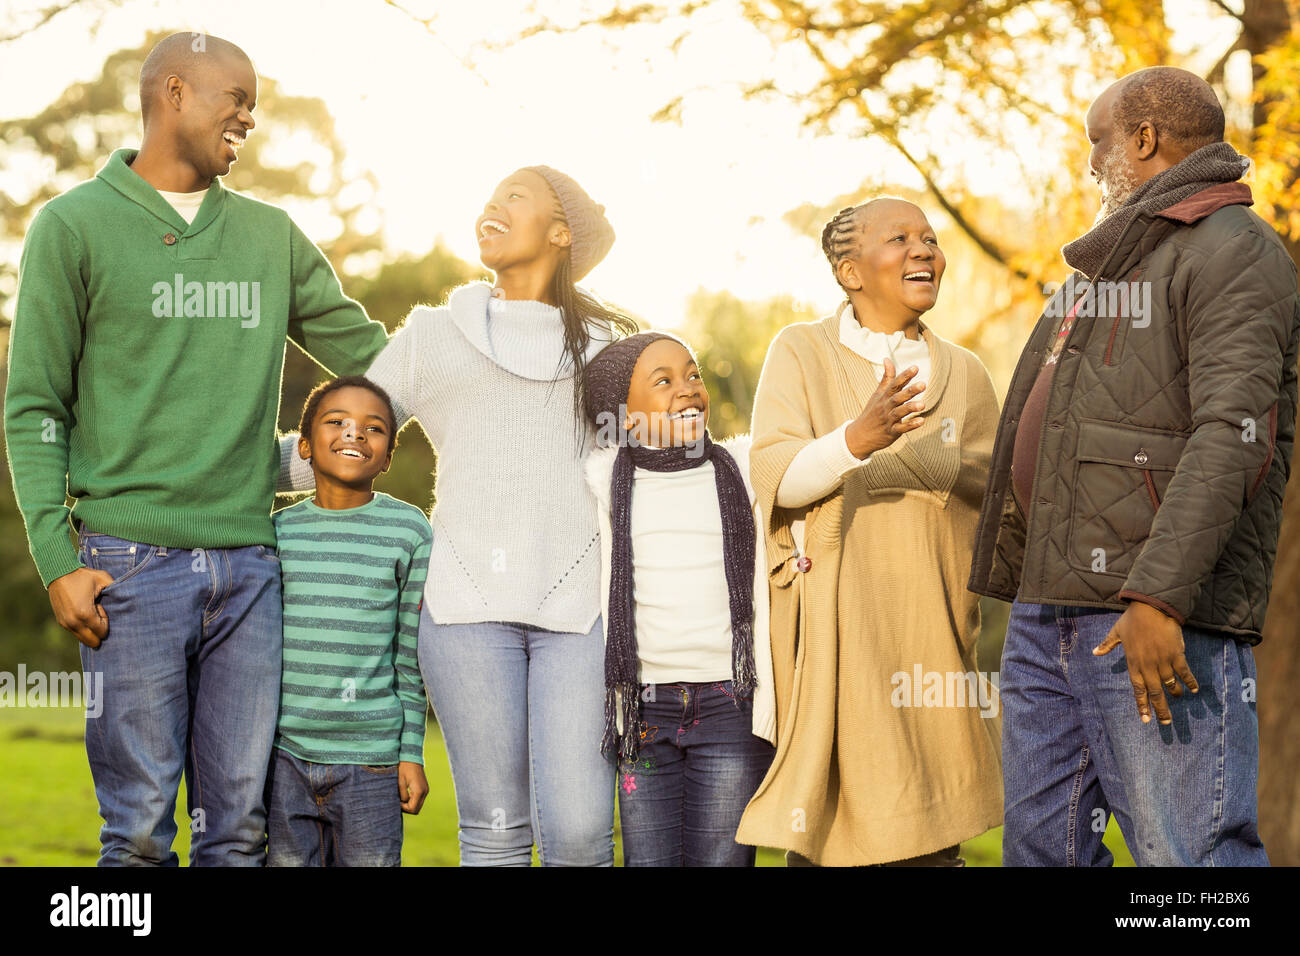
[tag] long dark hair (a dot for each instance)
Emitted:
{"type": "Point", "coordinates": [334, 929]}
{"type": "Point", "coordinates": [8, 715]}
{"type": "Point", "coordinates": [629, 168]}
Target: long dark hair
{"type": "Point", "coordinates": [580, 312]}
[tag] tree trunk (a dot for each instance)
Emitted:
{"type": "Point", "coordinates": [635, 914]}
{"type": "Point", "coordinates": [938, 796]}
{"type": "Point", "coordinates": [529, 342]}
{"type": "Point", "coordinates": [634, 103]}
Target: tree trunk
{"type": "Point", "coordinates": [1277, 662]}
{"type": "Point", "coordinates": [1277, 659]}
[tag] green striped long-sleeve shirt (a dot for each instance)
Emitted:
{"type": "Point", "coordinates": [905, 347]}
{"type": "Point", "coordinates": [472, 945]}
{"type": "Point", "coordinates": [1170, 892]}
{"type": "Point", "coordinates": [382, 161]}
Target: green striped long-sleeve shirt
{"type": "Point", "coordinates": [353, 580]}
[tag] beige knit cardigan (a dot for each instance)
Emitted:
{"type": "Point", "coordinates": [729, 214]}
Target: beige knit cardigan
{"type": "Point", "coordinates": [872, 764]}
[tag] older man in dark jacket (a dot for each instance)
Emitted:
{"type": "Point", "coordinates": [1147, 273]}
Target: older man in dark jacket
{"type": "Point", "coordinates": [1135, 499]}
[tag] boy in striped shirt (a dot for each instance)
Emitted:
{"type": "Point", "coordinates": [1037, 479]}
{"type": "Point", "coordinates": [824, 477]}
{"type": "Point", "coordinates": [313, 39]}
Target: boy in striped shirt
{"type": "Point", "coordinates": [349, 745]}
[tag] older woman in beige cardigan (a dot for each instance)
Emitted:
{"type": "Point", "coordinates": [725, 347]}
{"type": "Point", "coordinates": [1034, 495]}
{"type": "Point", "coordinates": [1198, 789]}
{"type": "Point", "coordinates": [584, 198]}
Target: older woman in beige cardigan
{"type": "Point", "coordinates": [872, 441]}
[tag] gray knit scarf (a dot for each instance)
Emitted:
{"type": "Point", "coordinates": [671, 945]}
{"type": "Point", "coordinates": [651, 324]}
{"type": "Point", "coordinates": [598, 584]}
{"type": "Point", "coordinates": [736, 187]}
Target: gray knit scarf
{"type": "Point", "coordinates": [1209, 165]}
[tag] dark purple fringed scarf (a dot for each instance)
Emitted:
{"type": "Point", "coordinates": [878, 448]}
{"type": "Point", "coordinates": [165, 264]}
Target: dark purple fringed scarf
{"type": "Point", "coordinates": [621, 661]}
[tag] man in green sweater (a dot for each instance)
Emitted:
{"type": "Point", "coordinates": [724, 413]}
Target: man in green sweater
{"type": "Point", "coordinates": [145, 363]}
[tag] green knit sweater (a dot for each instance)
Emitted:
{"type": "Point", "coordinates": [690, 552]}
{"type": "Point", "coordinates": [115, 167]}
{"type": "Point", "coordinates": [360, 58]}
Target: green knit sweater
{"type": "Point", "coordinates": [145, 362]}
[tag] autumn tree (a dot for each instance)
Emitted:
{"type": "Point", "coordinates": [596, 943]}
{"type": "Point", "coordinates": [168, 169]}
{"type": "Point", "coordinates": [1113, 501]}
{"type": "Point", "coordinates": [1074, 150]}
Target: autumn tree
{"type": "Point", "coordinates": [293, 157]}
{"type": "Point", "coordinates": [943, 81]}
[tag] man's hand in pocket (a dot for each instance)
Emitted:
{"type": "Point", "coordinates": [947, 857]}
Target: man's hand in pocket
{"type": "Point", "coordinates": [75, 600]}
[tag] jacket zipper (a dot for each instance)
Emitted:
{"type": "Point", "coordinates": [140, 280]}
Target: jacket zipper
{"type": "Point", "coordinates": [1272, 448]}
{"type": "Point", "coordinates": [1110, 343]}
{"type": "Point", "coordinates": [1151, 488]}
{"type": "Point", "coordinates": [1114, 329]}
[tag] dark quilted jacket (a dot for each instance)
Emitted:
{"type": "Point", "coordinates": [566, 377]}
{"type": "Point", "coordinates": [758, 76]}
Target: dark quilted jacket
{"type": "Point", "coordinates": [1145, 459]}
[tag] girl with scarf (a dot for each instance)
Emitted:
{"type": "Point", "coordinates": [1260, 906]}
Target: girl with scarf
{"type": "Point", "coordinates": [689, 708]}
{"type": "Point", "coordinates": [510, 641]}
{"type": "Point", "coordinates": [872, 439]}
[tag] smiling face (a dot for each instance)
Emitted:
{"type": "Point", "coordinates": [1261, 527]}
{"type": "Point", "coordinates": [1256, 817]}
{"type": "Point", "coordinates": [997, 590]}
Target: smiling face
{"type": "Point", "coordinates": [897, 265]}
{"type": "Point", "coordinates": [350, 438]}
{"type": "Point", "coordinates": [521, 224]}
{"type": "Point", "coordinates": [667, 403]}
{"type": "Point", "coordinates": [216, 112]}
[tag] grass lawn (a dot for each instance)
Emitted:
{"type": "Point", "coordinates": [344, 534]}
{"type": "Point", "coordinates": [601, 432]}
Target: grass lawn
{"type": "Point", "coordinates": [49, 817]}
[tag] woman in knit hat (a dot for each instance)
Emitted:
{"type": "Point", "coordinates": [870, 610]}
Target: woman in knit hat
{"type": "Point", "coordinates": [689, 707]}
{"type": "Point", "coordinates": [511, 641]}
{"type": "Point", "coordinates": [872, 441]}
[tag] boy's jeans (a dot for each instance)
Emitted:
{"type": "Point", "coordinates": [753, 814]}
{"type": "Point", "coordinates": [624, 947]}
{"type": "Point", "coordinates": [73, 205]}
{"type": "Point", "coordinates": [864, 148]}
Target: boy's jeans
{"type": "Point", "coordinates": [191, 681]}
{"type": "Point", "coordinates": [681, 799]}
{"type": "Point", "coordinates": [1075, 750]}
{"type": "Point", "coordinates": [521, 710]}
{"type": "Point", "coordinates": [332, 814]}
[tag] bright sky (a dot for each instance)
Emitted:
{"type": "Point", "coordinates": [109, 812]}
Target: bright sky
{"type": "Point", "coordinates": [698, 205]}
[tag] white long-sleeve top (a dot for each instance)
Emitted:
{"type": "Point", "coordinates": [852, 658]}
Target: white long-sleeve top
{"type": "Point", "coordinates": [683, 611]}
{"type": "Point", "coordinates": [821, 466]}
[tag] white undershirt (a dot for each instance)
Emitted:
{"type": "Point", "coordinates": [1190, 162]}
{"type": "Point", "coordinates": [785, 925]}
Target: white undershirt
{"type": "Point", "coordinates": [187, 204]}
{"type": "Point", "coordinates": [679, 580]}
{"type": "Point", "coordinates": [821, 466]}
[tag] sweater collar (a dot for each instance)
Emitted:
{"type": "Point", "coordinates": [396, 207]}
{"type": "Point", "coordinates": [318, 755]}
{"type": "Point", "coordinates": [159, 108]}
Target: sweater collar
{"type": "Point", "coordinates": [118, 174]}
{"type": "Point", "coordinates": [878, 346]}
{"type": "Point", "coordinates": [309, 504]}
{"type": "Point", "coordinates": [523, 337]}
{"type": "Point", "coordinates": [940, 360]}
{"type": "Point", "coordinates": [1211, 199]}
{"type": "Point", "coordinates": [924, 451]}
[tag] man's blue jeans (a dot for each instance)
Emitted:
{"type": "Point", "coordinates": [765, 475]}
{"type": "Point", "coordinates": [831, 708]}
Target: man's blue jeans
{"type": "Point", "coordinates": [521, 710]}
{"type": "Point", "coordinates": [332, 814]}
{"type": "Point", "coordinates": [1074, 749]}
{"type": "Point", "coordinates": [681, 799]}
{"type": "Point", "coordinates": [191, 682]}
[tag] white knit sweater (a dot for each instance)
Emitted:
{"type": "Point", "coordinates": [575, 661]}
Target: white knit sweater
{"type": "Point", "coordinates": [515, 536]}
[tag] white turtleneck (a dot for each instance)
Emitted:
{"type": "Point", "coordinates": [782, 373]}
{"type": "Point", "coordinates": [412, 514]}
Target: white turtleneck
{"type": "Point", "coordinates": [821, 466]}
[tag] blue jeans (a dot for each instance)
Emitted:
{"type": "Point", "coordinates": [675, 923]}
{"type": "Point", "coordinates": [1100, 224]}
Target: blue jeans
{"type": "Point", "coordinates": [191, 672]}
{"type": "Point", "coordinates": [681, 800]}
{"type": "Point", "coordinates": [332, 814]}
{"type": "Point", "coordinates": [1074, 749]}
{"type": "Point", "coordinates": [522, 710]}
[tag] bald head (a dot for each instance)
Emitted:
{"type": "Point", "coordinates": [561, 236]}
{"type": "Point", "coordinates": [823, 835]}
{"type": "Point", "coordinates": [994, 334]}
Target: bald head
{"type": "Point", "coordinates": [186, 55]}
{"type": "Point", "coordinates": [873, 209]}
{"type": "Point", "coordinates": [886, 258]}
{"type": "Point", "coordinates": [840, 236]}
{"type": "Point", "coordinates": [1179, 104]}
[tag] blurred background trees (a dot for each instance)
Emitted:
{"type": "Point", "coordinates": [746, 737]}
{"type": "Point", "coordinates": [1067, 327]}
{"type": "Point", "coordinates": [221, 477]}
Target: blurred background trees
{"type": "Point", "coordinates": [933, 77]}
{"type": "Point", "coordinates": [296, 160]}
{"type": "Point", "coordinates": [963, 92]}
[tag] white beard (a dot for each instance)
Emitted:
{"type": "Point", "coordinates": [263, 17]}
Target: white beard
{"type": "Point", "coordinates": [1118, 181]}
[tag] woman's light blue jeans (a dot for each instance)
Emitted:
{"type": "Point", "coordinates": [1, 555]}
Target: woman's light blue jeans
{"type": "Point", "coordinates": [521, 710]}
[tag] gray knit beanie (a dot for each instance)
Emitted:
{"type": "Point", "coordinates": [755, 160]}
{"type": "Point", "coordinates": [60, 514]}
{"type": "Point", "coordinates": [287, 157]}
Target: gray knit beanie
{"type": "Point", "coordinates": [609, 374]}
{"type": "Point", "coordinates": [591, 232]}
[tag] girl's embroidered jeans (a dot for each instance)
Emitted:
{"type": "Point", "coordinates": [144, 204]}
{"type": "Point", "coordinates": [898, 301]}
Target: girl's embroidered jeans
{"type": "Point", "coordinates": [681, 799]}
